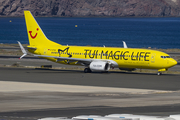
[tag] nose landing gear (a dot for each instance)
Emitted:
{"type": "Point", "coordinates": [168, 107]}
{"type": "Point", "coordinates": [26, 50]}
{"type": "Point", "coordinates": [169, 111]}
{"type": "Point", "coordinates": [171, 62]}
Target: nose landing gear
{"type": "Point", "coordinates": [161, 70]}
{"type": "Point", "coordinates": [159, 73]}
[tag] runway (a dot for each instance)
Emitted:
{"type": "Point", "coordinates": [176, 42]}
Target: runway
{"type": "Point", "coordinates": [78, 77]}
{"type": "Point", "coordinates": [32, 93]}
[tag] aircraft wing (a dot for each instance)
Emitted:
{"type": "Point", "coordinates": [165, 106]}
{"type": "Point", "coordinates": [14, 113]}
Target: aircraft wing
{"type": "Point", "coordinates": [78, 60]}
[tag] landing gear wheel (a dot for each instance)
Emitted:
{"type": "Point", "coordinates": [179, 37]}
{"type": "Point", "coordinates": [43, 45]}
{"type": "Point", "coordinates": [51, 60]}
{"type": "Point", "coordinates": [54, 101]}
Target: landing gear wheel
{"type": "Point", "coordinates": [87, 70]}
{"type": "Point", "coordinates": [159, 73]}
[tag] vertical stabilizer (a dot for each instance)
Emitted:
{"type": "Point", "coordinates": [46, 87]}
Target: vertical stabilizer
{"type": "Point", "coordinates": [35, 33]}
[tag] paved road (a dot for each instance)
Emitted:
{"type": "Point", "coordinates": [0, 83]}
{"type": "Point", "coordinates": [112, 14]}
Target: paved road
{"type": "Point", "coordinates": [75, 77]}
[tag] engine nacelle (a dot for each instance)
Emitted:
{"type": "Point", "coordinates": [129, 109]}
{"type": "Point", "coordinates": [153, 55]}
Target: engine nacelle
{"type": "Point", "coordinates": [99, 66]}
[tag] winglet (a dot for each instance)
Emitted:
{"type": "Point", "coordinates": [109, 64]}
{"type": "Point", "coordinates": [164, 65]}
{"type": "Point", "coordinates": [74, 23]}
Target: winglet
{"type": "Point", "coordinates": [124, 44]}
{"type": "Point", "coordinates": [22, 49]}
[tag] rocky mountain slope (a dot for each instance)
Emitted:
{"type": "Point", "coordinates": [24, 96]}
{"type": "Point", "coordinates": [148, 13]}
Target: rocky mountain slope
{"type": "Point", "coordinates": [86, 8]}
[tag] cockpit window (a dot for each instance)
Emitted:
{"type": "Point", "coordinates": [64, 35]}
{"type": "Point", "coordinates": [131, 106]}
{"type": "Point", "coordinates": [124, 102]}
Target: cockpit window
{"type": "Point", "coordinates": [165, 57]}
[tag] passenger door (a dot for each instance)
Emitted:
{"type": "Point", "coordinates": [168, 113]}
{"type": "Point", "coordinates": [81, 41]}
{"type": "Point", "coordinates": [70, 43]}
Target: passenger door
{"type": "Point", "coordinates": [153, 56]}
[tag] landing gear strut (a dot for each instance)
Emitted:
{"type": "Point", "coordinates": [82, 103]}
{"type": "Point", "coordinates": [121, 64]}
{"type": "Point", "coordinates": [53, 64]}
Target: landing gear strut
{"type": "Point", "coordinates": [87, 70]}
{"type": "Point", "coordinates": [159, 73]}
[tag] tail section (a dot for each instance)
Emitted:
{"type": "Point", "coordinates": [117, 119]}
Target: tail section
{"type": "Point", "coordinates": [35, 33]}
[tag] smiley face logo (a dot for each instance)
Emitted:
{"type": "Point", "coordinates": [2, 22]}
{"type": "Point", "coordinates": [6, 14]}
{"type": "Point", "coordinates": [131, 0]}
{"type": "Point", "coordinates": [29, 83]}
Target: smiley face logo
{"type": "Point", "coordinates": [33, 37]}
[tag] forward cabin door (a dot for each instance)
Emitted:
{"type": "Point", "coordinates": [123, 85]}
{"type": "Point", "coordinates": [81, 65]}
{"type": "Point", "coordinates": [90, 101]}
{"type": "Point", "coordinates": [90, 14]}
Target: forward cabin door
{"type": "Point", "coordinates": [153, 56]}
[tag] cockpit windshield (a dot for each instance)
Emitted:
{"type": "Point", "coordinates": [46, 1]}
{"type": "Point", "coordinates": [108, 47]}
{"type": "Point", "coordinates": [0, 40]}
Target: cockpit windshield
{"type": "Point", "coordinates": [165, 57]}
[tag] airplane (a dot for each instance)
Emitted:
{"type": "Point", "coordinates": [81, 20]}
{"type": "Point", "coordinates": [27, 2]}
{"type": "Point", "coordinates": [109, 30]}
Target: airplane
{"type": "Point", "coordinates": [93, 58]}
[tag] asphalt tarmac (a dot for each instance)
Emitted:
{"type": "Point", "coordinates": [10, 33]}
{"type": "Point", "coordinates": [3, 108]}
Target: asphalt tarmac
{"type": "Point", "coordinates": [39, 102]}
{"type": "Point", "coordinates": [78, 77]}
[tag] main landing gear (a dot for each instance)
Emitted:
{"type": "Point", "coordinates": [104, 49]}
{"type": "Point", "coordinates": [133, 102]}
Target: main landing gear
{"type": "Point", "coordinates": [87, 70]}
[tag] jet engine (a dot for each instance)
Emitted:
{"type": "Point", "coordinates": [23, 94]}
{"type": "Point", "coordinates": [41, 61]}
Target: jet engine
{"type": "Point", "coordinates": [99, 66]}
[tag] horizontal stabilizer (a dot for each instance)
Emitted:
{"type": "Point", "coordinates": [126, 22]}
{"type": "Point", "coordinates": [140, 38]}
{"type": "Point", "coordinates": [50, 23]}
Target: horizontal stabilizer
{"type": "Point", "coordinates": [32, 48]}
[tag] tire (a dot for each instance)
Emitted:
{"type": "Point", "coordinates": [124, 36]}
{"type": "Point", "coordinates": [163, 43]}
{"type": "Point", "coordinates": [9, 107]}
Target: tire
{"type": "Point", "coordinates": [159, 73]}
{"type": "Point", "coordinates": [87, 70]}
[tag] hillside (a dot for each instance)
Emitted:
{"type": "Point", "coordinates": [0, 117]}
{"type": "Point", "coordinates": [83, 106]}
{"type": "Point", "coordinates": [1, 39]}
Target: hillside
{"type": "Point", "coordinates": [88, 8]}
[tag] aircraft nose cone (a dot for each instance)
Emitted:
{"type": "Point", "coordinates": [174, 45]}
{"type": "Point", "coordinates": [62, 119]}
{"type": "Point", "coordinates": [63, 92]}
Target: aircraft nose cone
{"type": "Point", "coordinates": [173, 62]}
